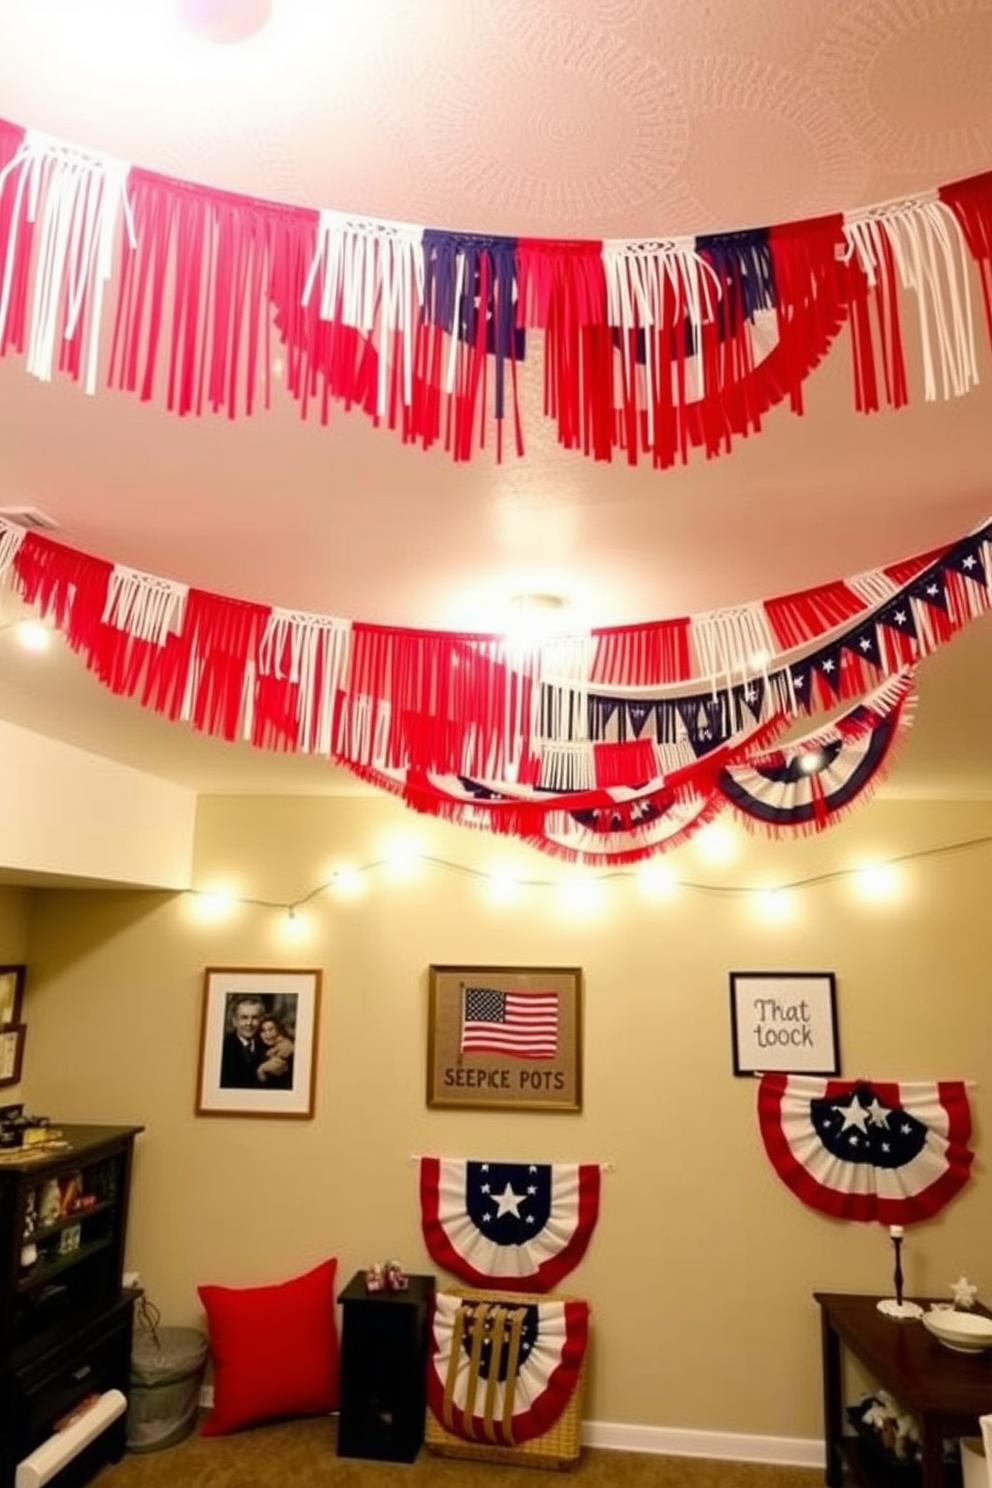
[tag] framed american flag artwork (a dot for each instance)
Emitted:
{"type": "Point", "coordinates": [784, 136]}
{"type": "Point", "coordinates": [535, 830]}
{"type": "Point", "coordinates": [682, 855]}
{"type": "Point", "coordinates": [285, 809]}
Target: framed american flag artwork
{"type": "Point", "coordinates": [505, 1038]}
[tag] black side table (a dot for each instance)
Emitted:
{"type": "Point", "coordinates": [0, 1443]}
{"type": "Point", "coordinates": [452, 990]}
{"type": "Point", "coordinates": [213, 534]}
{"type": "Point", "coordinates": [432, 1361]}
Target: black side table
{"type": "Point", "coordinates": [384, 1370]}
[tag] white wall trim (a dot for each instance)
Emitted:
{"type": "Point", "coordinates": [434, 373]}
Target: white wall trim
{"type": "Point", "coordinates": [715, 1446]}
{"type": "Point", "coordinates": [670, 1441]}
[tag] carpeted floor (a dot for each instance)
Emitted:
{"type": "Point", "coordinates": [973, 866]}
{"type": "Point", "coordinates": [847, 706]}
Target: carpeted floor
{"type": "Point", "coordinates": [303, 1453]}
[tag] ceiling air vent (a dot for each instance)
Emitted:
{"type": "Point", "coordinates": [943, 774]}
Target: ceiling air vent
{"type": "Point", "coordinates": [29, 517]}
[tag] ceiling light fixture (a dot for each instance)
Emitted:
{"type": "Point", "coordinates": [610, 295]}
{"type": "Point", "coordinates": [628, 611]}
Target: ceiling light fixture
{"type": "Point", "coordinates": [534, 615]}
{"type": "Point", "coordinates": [224, 20]}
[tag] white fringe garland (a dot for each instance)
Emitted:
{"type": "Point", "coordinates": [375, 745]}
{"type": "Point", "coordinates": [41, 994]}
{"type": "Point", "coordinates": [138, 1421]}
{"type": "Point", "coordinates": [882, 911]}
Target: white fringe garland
{"type": "Point", "coordinates": [319, 651]}
{"type": "Point", "coordinates": [931, 256]}
{"type": "Point", "coordinates": [76, 198]}
{"type": "Point", "coordinates": [734, 642]}
{"type": "Point", "coordinates": [639, 275]}
{"type": "Point", "coordinates": [371, 278]}
{"type": "Point", "coordinates": [11, 538]}
{"type": "Point", "coordinates": [148, 608]}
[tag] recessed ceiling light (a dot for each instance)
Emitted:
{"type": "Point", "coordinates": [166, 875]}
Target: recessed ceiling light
{"type": "Point", "coordinates": [224, 20]}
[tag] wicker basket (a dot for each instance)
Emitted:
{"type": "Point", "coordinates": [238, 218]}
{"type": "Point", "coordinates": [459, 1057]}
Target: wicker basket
{"type": "Point", "coordinates": [558, 1447]}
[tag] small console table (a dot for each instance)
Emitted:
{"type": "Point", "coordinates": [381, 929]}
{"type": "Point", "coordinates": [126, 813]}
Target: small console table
{"type": "Point", "coordinates": [945, 1391]}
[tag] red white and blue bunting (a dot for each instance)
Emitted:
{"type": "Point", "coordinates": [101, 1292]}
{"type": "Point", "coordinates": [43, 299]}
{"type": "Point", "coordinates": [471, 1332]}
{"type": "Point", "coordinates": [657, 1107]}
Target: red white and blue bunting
{"type": "Point", "coordinates": [653, 348]}
{"type": "Point", "coordinates": [603, 747]}
{"type": "Point", "coordinates": [520, 1226]}
{"type": "Point", "coordinates": [867, 1150]}
{"type": "Point", "coordinates": [503, 1372]}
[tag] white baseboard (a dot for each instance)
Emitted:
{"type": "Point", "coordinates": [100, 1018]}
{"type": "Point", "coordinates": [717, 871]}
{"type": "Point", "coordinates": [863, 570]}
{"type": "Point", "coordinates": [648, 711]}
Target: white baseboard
{"type": "Point", "coordinates": [716, 1446]}
{"type": "Point", "coordinates": [670, 1441]}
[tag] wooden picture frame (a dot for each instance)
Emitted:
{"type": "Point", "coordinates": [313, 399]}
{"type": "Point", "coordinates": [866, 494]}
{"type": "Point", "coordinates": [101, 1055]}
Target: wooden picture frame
{"type": "Point", "coordinates": [505, 1038]}
{"type": "Point", "coordinates": [11, 994]}
{"type": "Point", "coordinates": [258, 1042]}
{"type": "Point", "coordinates": [784, 1021]}
{"type": "Point", "coordinates": [12, 1038]}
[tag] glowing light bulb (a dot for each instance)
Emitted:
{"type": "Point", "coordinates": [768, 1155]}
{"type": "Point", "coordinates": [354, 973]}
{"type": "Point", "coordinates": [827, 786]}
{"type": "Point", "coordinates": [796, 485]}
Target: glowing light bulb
{"type": "Point", "coordinates": [401, 859]}
{"type": "Point", "coordinates": [581, 895]}
{"type": "Point", "coordinates": [716, 843]}
{"type": "Point", "coordinates": [296, 925]}
{"type": "Point", "coordinates": [347, 883]}
{"type": "Point", "coordinates": [33, 635]}
{"type": "Point", "coordinates": [774, 905]}
{"type": "Point", "coordinates": [212, 905]}
{"type": "Point", "coordinates": [657, 880]}
{"type": "Point", "coordinates": [503, 886]}
{"type": "Point", "coordinates": [877, 882]}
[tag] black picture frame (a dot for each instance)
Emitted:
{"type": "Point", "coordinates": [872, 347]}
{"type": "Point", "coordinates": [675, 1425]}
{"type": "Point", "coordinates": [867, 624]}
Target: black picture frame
{"type": "Point", "coordinates": [784, 1021]}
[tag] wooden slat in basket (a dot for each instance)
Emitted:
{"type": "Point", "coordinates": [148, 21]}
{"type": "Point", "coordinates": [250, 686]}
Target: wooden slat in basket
{"type": "Point", "coordinates": [558, 1447]}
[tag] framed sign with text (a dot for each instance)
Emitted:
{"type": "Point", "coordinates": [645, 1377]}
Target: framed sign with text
{"type": "Point", "coordinates": [505, 1038]}
{"type": "Point", "coordinates": [785, 1021]}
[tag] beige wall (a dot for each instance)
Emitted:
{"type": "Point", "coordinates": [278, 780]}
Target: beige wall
{"type": "Point", "coordinates": [702, 1269]}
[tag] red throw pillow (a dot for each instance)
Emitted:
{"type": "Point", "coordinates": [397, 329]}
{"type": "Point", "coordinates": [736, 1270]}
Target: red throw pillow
{"type": "Point", "coordinates": [274, 1350]}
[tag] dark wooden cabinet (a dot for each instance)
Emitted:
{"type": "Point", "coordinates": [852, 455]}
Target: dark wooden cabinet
{"type": "Point", "coordinates": [384, 1370]}
{"type": "Point", "coordinates": [65, 1318]}
{"type": "Point", "coordinates": [945, 1391]}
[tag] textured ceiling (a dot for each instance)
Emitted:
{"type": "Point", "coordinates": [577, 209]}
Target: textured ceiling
{"type": "Point", "coordinates": [526, 117]}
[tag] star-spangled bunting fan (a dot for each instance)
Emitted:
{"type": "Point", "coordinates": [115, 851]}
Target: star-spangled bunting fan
{"type": "Point", "coordinates": [521, 1225]}
{"type": "Point", "coordinates": [504, 1372]}
{"type": "Point", "coordinates": [867, 1150]}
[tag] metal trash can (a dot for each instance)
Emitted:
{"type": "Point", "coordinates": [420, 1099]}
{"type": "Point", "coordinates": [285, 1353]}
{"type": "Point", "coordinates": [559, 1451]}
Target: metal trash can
{"type": "Point", "coordinates": [167, 1368]}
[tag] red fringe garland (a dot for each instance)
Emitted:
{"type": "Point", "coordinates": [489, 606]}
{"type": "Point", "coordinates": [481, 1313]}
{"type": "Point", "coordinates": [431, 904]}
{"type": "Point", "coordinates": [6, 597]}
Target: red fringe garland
{"type": "Point", "coordinates": [562, 291]}
{"type": "Point", "coordinates": [203, 674]}
{"type": "Point", "coordinates": [796, 619]}
{"type": "Point", "coordinates": [589, 369]}
{"type": "Point", "coordinates": [68, 587]}
{"type": "Point", "coordinates": [14, 229]}
{"type": "Point", "coordinates": [971, 203]}
{"type": "Point", "coordinates": [624, 764]}
{"type": "Point", "coordinates": [434, 704]}
{"type": "Point", "coordinates": [204, 273]}
{"type": "Point", "coordinates": [643, 655]}
{"type": "Point", "coordinates": [883, 298]}
{"type": "Point", "coordinates": [811, 305]}
{"type": "Point", "coordinates": [447, 704]}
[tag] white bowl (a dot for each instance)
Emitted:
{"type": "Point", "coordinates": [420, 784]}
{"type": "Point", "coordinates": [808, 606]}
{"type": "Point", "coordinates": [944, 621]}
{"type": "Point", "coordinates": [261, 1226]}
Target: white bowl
{"type": "Point", "coordinates": [967, 1332]}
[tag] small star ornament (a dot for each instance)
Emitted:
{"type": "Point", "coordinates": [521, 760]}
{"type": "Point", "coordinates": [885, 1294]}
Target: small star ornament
{"type": "Point", "coordinates": [964, 1292]}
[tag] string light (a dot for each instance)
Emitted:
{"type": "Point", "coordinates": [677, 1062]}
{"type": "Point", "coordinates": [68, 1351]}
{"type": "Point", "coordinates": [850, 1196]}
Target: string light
{"type": "Point", "coordinates": [504, 886]}
{"type": "Point", "coordinates": [657, 879]}
{"type": "Point", "coordinates": [876, 880]}
{"type": "Point", "coordinates": [775, 904]}
{"type": "Point", "coordinates": [716, 843]}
